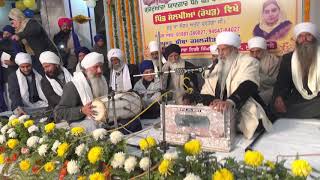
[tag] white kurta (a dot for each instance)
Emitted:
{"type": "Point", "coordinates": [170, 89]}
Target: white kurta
{"type": "Point", "coordinates": [244, 68]}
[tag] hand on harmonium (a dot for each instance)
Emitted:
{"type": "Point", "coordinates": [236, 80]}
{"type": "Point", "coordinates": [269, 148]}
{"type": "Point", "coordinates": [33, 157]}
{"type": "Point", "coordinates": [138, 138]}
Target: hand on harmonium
{"type": "Point", "coordinates": [280, 105]}
{"type": "Point", "coordinates": [88, 110]}
{"type": "Point", "coordinates": [220, 105]}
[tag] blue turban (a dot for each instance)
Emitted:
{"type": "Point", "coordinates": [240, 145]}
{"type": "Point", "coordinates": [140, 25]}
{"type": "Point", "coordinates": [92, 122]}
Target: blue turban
{"type": "Point", "coordinates": [146, 64]}
{"type": "Point", "coordinates": [84, 50]}
{"type": "Point", "coordinates": [98, 37]}
{"type": "Point", "coordinates": [9, 29]}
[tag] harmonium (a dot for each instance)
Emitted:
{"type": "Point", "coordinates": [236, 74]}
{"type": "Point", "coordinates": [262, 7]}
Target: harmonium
{"type": "Point", "coordinates": [215, 130]}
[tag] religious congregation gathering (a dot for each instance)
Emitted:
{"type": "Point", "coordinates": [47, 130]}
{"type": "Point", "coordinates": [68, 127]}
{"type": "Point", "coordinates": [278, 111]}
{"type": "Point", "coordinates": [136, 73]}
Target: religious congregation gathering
{"type": "Point", "coordinates": [231, 99]}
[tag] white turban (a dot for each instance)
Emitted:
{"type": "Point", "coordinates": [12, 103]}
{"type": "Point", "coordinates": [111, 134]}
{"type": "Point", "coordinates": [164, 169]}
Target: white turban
{"type": "Point", "coordinates": [214, 49]}
{"type": "Point", "coordinates": [306, 27]}
{"type": "Point", "coordinates": [115, 53]}
{"type": "Point", "coordinates": [92, 59]}
{"type": "Point", "coordinates": [153, 46]}
{"type": "Point", "coordinates": [228, 38]}
{"type": "Point", "coordinates": [257, 42]}
{"type": "Point", "coordinates": [49, 57]}
{"type": "Point", "coordinates": [23, 58]}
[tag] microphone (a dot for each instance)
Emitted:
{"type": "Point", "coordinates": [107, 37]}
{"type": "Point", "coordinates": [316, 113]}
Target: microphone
{"type": "Point", "coordinates": [181, 71]}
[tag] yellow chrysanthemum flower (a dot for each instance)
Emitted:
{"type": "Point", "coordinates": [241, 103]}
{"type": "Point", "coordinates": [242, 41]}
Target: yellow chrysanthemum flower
{"type": "Point", "coordinates": [49, 127]}
{"type": "Point", "coordinates": [14, 122]}
{"type": "Point", "coordinates": [97, 176]}
{"type": "Point", "coordinates": [12, 143]}
{"type": "Point", "coordinates": [223, 174]}
{"type": "Point", "coordinates": [192, 147]}
{"type": "Point", "coordinates": [28, 123]}
{"type": "Point", "coordinates": [62, 149]}
{"type": "Point", "coordinates": [165, 168]}
{"type": "Point", "coordinates": [82, 178]}
{"type": "Point", "coordinates": [49, 167]}
{"type": "Point", "coordinates": [270, 164]}
{"type": "Point", "coordinates": [147, 143]}
{"type": "Point", "coordinates": [151, 141]}
{"type": "Point", "coordinates": [2, 159]}
{"type": "Point", "coordinates": [253, 158]}
{"type": "Point", "coordinates": [77, 131]}
{"type": "Point", "coordinates": [24, 165]}
{"type": "Point", "coordinates": [95, 154]}
{"type": "Point", "coordinates": [301, 168]}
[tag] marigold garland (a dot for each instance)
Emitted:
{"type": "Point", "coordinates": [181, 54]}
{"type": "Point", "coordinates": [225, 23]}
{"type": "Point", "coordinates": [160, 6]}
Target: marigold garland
{"type": "Point", "coordinates": [138, 26]}
{"type": "Point", "coordinates": [110, 25]}
{"type": "Point", "coordinates": [120, 25]}
{"type": "Point", "coordinates": [129, 32]}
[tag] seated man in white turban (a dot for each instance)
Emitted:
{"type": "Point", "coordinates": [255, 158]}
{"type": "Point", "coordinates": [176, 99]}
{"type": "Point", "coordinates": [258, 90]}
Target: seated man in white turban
{"type": "Point", "coordinates": [233, 83]}
{"type": "Point", "coordinates": [24, 86]}
{"type": "Point", "coordinates": [121, 74]}
{"type": "Point", "coordinates": [154, 53]}
{"type": "Point", "coordinates": [296, 93]}
{"type": "Point", "coordinates": [179, 83]}
{"type": "Point", "coordinates": [56, 76]}
{"type": "Point", "coordinates": [78, 94]}
{"type": "Point", "coordinates": [269, 67]}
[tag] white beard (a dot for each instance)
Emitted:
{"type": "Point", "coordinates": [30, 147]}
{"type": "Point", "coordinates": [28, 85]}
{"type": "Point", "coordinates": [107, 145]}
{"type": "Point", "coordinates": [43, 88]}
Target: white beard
{"type": "Point", "coordinates": [226, 66]}
{"type": "Point", "coordinates": [97, 86]}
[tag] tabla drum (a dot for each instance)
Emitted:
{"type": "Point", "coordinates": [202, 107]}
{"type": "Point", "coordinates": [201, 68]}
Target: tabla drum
{"type": "Point", "coordinates": [127, 105]}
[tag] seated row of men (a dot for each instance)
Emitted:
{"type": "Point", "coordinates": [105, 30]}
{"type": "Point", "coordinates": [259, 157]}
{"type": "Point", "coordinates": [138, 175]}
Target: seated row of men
{"type": "Point", "coordinates": [235, 80]}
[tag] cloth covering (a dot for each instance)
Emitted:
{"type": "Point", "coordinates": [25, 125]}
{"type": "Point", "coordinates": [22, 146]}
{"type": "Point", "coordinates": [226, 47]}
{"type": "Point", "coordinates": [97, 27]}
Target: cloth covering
{"type": "Point", "coordinates": [23, 58]}
{"type": "Point", "coordinates": [244, 68]}
{"type": "Point", "coordinates": [23, 85]}
{"type": "Point", "coordinates": [306, 27]}
{"type": "Point", "coordinates": [257, 42]}
{"type": "Point", "coordinates": [49, 57]}
{"type": "Point", "coordinates": [9, 29]}
{"type": "Point", "coordinates": [55, 85]}
{"type": "Point", "coordinates": [63, 20]}
{"type": "Point", "coordinates": [153, 46]}
{"type": "Point", "coordinates": [92, 59]}
{"type": "Point", "coordinates": [146, 64]}
{"type": "Point", "coordinates": [228, 38]}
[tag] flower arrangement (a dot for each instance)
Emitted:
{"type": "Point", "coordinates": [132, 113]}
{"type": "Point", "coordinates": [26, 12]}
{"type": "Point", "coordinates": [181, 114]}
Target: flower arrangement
{"type": "Point", "coordinates": [42, 151]}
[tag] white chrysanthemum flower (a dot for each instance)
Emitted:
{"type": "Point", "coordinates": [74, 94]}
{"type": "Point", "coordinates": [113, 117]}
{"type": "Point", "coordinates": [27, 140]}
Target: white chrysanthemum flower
{"type": "Point", "coordinates": [2, 139]}
{"type": "Point", "coordinates": [32, 141]}
{"type": "Point", "coordinates": [171, 155]}
{"type": "Point", "coordinates": [12, 117]}
{"type": "Point", "coordinates": [42, 150]}
{"type": "Point", "coordinates": [79, 149]}
{"type": "Point", "coordinates": [33, 128]}
{"type": "Point", "coordinates": [0, 124]}
{"type": "Point", "coordinates": [10, 130]}
{"type": "Point", "coordinates": [23, 118]}
{"type": "Point", "coordinates": [118, 160]}
{"type": "Point", "coordinates": [72, 167]}
{"type": "Point", "coordinates": [191, 176]}
{"type": "Point", "coordinates": [4, 129]}
{"type": "Point", "coordinates": [55, 145]}
{"type": "Point", "coordinates": [145, 163]}
{"type": "Point", "coordinates": [43, 139]}
{"type": "Point", "coordinates": [42, 120]}
{"type": "Point", "coordinates": [99, 134]}
{"type": "Point", "coordinates": [130, 164]}
{"type": "Point", "coordinates": [116, 137]}
{"type": "Point", "coordinates": [13, 134]}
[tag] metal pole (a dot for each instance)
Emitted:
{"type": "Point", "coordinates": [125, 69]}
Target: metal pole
{"type": "Point", "coordinates": [162, 107]}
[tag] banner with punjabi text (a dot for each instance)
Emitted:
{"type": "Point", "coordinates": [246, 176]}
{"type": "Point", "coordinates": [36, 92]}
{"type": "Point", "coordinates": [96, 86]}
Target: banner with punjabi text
{"type": "Point", "coordinates": [194, 24]}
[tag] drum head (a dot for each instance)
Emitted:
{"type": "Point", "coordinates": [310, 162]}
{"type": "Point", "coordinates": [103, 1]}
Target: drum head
{"type": "Point", "coordinates": [101, 110]}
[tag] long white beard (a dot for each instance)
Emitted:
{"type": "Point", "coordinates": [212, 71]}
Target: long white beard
{"type": "Point", "coordinates": [226, 66]}
{"type": "Point", "coordinates": [97, 86]}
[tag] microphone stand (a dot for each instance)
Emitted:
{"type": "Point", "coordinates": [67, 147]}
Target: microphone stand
{"type": "Point", "coordinates": [163, 144]}
{"type": "Point", "coordinates": [112, 94]}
